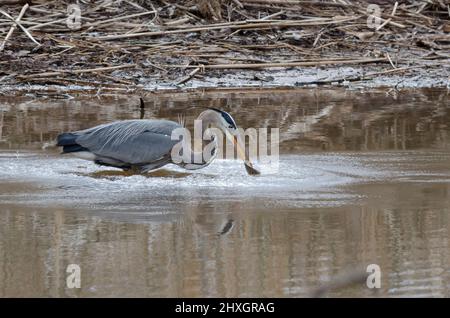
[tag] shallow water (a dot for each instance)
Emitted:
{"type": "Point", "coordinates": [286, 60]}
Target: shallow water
{"type": "Point", "coordinates": [364, 179]}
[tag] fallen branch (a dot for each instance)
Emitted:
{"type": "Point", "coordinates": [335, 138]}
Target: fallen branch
{"type": "Point", "coordinates": [13, 27]}
{"type": "Point", "coordinates": [188, 77]}
{"type": "Point", "coordinates": [274, 65]}
{"type": "Point", "coordinates": [60, 72]}
{"type": "Point", "coordinates": [236, 25]}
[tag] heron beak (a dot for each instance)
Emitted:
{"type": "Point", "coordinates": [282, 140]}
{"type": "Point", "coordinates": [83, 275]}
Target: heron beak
{"type": "Point", "coordinates": [234, 139]}
{"type": "Point", "coordinates": [240, 151]}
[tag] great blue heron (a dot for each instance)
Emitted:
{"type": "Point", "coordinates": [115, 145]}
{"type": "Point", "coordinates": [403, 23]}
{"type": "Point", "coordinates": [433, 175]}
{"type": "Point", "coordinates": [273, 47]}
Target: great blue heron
{"type": "Point", "coordinates": [145, 145]}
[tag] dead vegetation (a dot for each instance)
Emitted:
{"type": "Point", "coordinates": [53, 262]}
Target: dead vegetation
{"type": "Point", "coordinates": [122, 45]}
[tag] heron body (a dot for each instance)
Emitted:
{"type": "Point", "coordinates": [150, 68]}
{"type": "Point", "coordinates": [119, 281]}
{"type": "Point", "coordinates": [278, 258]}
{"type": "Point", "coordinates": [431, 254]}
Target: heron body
{"type": "Point", "coordinates": [141, 145]}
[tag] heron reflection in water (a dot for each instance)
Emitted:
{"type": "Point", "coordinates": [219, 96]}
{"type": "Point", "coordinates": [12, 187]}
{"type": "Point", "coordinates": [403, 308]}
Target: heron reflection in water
{"type": "Point", "coordinates": [145, 145]}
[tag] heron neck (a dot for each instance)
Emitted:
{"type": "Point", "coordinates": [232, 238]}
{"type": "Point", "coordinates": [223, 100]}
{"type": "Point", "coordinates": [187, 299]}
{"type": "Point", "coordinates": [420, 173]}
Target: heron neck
{"type": "Point", "coordinates": [207, 118]}
{"type": "Point", "coordinates": [199, 157]}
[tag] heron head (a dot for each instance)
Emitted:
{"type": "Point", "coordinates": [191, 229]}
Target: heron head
{"type": "Point", "coordinates": [224, 120]}
{"type": "Point", "coordinates": [226, 123]}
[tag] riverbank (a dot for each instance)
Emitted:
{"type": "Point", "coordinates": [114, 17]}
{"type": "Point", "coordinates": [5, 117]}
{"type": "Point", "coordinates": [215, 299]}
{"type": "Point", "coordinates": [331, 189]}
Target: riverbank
{"type": "Point", "coordinates": [149, 46]}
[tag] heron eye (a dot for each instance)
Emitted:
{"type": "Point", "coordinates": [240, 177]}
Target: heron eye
{"type": "Point", "coordinates": [230, 126]}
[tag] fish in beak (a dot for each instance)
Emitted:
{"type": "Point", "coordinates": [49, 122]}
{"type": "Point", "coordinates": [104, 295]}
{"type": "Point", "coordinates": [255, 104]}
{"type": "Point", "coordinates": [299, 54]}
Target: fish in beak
{"type": "Point", "coordinates": [251, 170]}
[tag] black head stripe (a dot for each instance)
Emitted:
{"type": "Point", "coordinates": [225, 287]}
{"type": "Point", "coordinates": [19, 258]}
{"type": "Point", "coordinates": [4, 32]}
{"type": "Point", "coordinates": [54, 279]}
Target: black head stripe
{"type": "Point", "coordinates": [226, 116]}
{"type": "Point", "coordinates": [229, 119]}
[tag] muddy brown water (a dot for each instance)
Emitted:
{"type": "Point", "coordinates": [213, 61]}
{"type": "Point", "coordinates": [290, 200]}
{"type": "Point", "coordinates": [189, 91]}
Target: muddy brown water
{"type": "Point", "coordinates": [364, 179]}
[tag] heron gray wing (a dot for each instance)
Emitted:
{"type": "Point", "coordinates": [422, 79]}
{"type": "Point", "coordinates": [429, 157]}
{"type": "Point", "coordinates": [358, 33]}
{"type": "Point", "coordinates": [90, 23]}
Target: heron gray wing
{"type": "Point", "coordinates": [128, 128]}
{"type": "Point", "coordinates": [131, 141]}
{"type": "Point", "coordinates": [138, 150]}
